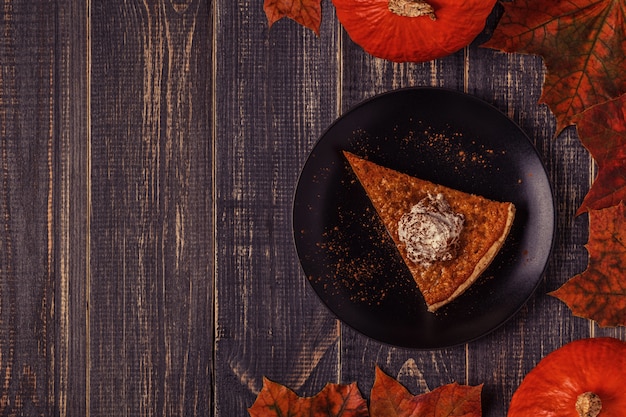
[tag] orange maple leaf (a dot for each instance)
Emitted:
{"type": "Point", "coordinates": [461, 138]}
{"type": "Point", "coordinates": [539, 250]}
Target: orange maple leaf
{"type": "Point", "coordinates": [602, 130]}
{"type": "Point", "coordinates": [308, 13]}
{"type": "Point", "coordinates": [390, 399]}
{"type": "Point", "coordinates": [582, 43]}
{"type": "Point", "coordinates": [599, 293]}
{"type": "Point", "coordinates": [336, 400]}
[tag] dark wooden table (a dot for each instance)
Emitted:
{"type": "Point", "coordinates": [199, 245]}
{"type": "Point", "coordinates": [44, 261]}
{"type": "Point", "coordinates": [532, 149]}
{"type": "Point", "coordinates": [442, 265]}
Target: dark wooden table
{"type": "Point", "coordinates": [149, 153]}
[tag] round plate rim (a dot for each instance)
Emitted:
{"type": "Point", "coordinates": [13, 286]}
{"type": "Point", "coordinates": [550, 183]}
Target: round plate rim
{"type": "Point", "coordinates": [451, 93]}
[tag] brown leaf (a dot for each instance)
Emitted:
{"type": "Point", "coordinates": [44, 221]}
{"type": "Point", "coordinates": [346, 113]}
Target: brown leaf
{"type": "Point", "coordinates": [599, 293]}
{"type": "Point", "coordinates": [583, 45]}
{"type": "Point", "coordinates": [602, 130]}
{"type": "Point", "coordinates": [308, 13]}
{"type": "Point", "coordinates": [335, 400]}
{"type": "Point", "coordinates": [390, 399]}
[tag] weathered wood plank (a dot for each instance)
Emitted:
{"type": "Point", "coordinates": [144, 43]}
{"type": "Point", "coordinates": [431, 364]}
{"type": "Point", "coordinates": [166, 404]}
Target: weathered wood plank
{"type": "Point", "coordinates": [151, 225]}
{"type": "Point", "coordinates": [276, 91]}
{"type": "Point", "coordinates": [149, 152]}
{"type": "Point", "coordinates": [71, 192]}
{"type": "Point", "coordinates": [27, 251]}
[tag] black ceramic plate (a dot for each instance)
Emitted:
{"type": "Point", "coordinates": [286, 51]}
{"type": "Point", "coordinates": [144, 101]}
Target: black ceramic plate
{"type": "Point", "coordinates": [439, 135]}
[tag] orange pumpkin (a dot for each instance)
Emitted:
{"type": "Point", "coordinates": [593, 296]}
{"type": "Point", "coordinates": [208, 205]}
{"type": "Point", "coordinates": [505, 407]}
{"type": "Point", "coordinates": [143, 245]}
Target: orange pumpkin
{"type": "Point", "coordinates": [585, 378]}
{"type": "Point", "coordinates": [413, 30]}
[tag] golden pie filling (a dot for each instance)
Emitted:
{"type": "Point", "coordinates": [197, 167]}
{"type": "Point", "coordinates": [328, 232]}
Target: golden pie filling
{"type": "Point", "coordinates": [446, 237]}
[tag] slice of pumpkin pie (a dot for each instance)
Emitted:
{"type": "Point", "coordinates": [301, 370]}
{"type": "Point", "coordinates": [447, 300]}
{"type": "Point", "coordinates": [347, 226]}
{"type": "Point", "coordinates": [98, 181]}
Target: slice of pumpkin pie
{"type": "Point", "coordinates": [446, 237]}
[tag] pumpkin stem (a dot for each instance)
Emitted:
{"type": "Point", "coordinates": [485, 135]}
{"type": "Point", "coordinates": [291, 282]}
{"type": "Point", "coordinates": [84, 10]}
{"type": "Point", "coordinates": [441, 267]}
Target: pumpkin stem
{"type": "Point", "coordinates": [588, 404]}
{"type": "Point", "coordinates": [412, 8]}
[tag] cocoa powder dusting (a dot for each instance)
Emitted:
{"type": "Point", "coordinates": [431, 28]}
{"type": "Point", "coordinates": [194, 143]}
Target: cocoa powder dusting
{"type": "Point", "coordinates": [365, 278]}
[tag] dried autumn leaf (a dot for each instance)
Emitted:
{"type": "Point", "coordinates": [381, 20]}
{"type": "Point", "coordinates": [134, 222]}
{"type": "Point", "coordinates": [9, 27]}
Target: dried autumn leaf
{"type": "Point", "coordinates": [335, 400]}
{"type": "Point", "coordinates": [599, 293]}
{"type": "Point", "coordinates": [602, 130]}
{"type": "Point", "coordinates": [583, 45]}
{"type": "Point", "coordinates": [308, 13]}
{"type": "Point", "coordinates": [390, 399]}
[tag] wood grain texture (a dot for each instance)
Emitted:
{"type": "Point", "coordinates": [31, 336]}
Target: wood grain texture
{"type": "Point", "coordinates": [27, 252]}
{"type": "Point", "coordinates": [276, 91]}
{"type": "Point", "coordinates": [149, 155]}
{"type": "Point", "coordinates": [70, 208]}
{"type": "Point", "coordinates": [151, 227]}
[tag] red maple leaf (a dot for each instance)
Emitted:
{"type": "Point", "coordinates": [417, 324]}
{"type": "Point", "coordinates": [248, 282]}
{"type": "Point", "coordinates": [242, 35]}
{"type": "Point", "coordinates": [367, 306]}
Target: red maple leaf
{"type": "Point", "coordinates": [390, 399]}
{"type": "Point", "coordinates": [602, 130]}
{"type": "Point", "coordinates": [335, 400]}
{"type": "Point", "coordinates": [599, 293]}
{"type": "Point", "coordinates": [582, 43]}
{"type": "Point", "coordinates": [308, 13]}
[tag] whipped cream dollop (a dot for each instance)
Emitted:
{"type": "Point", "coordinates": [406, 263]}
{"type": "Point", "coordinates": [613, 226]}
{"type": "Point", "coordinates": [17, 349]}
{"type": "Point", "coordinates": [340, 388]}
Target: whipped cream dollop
{"type": "Point", "coordinates": [431, 231]}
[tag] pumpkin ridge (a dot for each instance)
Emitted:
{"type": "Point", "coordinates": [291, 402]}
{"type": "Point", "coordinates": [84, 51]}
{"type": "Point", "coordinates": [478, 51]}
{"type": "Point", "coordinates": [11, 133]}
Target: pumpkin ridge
{"type": "Point", "coordinates": [384, 34]}
{"type": "Point", "coordinates": [553, 386]}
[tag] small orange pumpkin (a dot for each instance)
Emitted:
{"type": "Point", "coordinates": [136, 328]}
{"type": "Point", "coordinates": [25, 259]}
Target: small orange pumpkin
{"type": "Point", "coordinates": [584, 378]}
{"type": "Point", "coordinates": [413, 30]}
